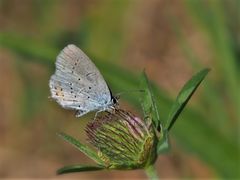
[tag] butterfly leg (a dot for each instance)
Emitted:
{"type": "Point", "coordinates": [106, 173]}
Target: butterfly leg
{"type": "Point", "coordinates": [110, 110]}
{"type": "Point", "coordinates": [97, 114]}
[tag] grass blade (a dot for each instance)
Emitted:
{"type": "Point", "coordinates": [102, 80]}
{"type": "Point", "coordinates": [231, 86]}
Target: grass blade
{"type": "Point", "coordinates": [78, 168]}
{"type": "Point", "coordinates": [81, 147]}
{"type": "Point", "coordinates": [183, 97]}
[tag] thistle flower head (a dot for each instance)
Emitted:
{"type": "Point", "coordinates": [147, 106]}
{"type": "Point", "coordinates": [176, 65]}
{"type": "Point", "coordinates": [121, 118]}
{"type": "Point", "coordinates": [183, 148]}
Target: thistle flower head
{"type": "Point", "coordinates": [123, 140]}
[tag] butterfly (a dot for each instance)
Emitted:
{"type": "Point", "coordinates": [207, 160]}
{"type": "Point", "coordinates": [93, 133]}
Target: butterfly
{"type": "Point", "coordinates": [78, 85]}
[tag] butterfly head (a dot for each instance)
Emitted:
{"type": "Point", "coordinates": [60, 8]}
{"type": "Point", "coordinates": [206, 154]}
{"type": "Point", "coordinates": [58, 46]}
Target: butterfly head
{"type": "Point", "coordinates": [115, 100]}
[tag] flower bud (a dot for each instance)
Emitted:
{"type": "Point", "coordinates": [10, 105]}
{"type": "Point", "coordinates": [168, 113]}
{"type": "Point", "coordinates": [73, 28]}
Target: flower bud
{"type": "Point", "coordinates": [123, 140]}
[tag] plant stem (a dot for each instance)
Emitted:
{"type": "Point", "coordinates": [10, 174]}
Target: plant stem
{"type": "Point", "coordinates": [151, 172]}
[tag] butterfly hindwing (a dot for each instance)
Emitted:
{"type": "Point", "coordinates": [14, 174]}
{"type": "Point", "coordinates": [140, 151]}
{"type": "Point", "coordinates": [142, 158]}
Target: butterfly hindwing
{"type": "Point", "coordinates": [77, 83]}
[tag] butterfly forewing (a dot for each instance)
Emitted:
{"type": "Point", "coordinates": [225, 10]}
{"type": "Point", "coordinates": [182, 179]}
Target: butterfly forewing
{"type": "Point", "coordinates": [77, 83]}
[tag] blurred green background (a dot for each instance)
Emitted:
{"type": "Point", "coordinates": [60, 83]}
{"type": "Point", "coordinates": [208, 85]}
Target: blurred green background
{"type": "Point", "coordinates": [172, 40]}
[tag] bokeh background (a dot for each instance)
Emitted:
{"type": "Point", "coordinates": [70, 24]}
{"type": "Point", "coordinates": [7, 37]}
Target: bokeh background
{"type": "Point", "coordinates": [171, 40]}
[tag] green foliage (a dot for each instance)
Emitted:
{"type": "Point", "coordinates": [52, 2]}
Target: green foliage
{"type": "Point", "coordinates": [183, 97]}
{"type": "Point", "coordinates": [163, 145]}
{"type": "Point", "coordinates": [101, 32]}
{"type": "Point", "coordinates": [149, 105]}
{"type": "Point", "coordinates": [32, 50]}
{"type": "Point", "coordinates": [78, 168]}
{"type": "Point", "coordinates": [220, 99]}
{"type": "Point", "coordinates": [81, 147]}
{"type": "Point", "coordinates": [151, 111]}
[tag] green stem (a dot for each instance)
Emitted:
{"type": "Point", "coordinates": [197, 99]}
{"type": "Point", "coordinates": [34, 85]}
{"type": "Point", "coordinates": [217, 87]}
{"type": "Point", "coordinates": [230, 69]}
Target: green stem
{"type": "Point", "coordinates": [151, 172]}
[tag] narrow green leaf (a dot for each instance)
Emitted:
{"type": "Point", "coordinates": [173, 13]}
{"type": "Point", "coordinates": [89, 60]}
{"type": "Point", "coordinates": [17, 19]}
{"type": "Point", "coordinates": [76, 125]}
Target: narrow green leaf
{"type": "Point", "coordinates": [81, 147]}
{"type": "Point", "coordinates": [78, 168]}
{"type": "Point", "coordinates": [31, 49]}
{"type": "Point", "coordinates": [163, 145]}
{"type": "Point", "coordinates": [183, 97]}
{"type": "Point", "coordinates": [148, 102]}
